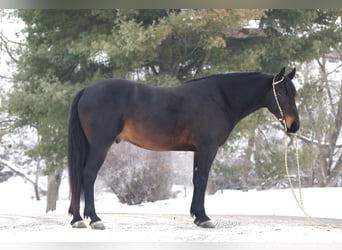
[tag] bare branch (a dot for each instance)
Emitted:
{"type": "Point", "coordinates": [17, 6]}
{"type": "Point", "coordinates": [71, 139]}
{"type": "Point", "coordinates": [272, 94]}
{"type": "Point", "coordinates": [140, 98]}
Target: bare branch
{"type": "Point", "coordinates": [309, 141]}
{"type": "Point", "coordinates": [6, 77]}
{"type": "Point", "coordinates": [19, 173]}
{"type": "Point", "coordinates": [5, 41]}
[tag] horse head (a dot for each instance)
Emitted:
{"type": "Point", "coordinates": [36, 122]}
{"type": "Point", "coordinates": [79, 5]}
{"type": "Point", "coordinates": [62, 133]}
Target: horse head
{"type": "Point", "coordinates": [282, 100]}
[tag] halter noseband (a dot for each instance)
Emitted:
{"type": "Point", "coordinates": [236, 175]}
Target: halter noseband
{"type": "Point", "coordinates": [282, 118]}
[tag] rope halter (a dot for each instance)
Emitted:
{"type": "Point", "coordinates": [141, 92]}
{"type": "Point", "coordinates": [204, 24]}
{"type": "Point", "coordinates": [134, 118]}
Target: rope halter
{"type": "Point", "coordinates": [282, 118]}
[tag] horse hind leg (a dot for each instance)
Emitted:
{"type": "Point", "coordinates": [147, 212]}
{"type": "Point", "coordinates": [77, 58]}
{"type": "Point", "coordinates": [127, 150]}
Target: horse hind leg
{"type": "Point", "coordinates": [74, 208]}
{"type": "Point", "coordinates": [95, 160]}
{"type": "Point", "coordinates": [77, 221]}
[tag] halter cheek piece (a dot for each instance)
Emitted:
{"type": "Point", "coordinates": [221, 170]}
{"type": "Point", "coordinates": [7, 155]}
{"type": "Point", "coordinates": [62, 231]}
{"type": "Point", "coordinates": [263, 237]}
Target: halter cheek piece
{"type": "Point", "coordinates": [282, 118]}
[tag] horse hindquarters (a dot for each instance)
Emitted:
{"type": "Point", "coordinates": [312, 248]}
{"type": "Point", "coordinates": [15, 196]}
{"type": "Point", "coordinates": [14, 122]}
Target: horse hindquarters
{"type": "Point", "coordinates": [92, 130]}
{"type": "Point", "coordinates": [102, 122]}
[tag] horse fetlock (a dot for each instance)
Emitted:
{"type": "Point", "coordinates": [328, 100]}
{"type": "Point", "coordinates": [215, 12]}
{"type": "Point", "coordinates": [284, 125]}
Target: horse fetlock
{"type": "Point", "coordinates": [201, 219]}
{"type": "Point", "coordinates": [90, 213]}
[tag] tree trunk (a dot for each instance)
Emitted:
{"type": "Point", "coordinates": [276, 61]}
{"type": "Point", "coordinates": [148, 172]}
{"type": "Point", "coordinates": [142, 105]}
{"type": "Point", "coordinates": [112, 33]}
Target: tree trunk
{"type": "Point", "coordinates": [246, 166]}
{"type": "Point", "coordinates": [329, 170]}
{"type": "Point", "coordinates": [211, 187]}
{"type": "Point", "coordinates": [36, 187]}
{"type": "Point", "coordinates": [336, 172]}
{"type": "Point", "coordinates": [54, 181]}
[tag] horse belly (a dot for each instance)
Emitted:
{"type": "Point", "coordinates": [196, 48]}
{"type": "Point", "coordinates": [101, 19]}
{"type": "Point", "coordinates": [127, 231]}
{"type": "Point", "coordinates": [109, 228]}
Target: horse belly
{"type": "Point", "coordinates": [156, 139]}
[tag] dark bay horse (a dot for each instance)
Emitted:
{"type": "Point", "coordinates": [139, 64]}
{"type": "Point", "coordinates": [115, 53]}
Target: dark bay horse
{"type": "Point", "coordinates": [197, 116]}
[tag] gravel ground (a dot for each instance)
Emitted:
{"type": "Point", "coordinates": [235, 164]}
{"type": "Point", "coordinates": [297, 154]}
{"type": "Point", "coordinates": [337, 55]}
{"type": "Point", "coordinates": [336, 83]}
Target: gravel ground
{"type": "Point", "coordinates": [168, 228]}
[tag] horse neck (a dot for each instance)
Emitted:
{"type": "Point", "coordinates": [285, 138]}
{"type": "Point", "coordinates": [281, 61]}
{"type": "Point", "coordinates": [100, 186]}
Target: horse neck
{"type": "Point", "coordinates": [246, 95]}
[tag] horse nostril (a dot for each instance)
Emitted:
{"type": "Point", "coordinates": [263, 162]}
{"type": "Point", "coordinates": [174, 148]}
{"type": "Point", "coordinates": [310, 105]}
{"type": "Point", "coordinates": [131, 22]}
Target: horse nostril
{"type": "Point", "coordinates": [294, 127]}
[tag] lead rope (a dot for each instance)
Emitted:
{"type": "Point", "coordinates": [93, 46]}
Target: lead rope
{"type": "Point", "coordinates": [315, 222]}
{"type": "Point", "coordinates": [282, 119]}
{"type": "Point", "coordinates": [299, 200]}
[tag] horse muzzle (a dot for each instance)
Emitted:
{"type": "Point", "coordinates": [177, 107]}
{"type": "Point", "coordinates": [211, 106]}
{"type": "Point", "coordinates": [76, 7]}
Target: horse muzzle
{"type": "Point", "coordinates": [292, 124]}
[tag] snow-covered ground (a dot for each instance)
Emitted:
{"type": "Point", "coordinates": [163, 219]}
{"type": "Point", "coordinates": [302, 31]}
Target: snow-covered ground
{"type": "Point", "coordinates": [254, 216]}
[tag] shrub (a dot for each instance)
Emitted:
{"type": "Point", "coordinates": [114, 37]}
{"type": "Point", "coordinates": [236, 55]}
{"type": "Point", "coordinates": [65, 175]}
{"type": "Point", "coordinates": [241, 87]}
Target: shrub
{"type": "Point", "coordinates": [136, 175]}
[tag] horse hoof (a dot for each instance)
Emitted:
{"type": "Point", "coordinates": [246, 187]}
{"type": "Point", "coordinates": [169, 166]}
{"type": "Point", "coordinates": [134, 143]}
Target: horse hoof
{"type": "Point", "coordinates": [98, 225]}
{"type": "Point", "coordinates": [79, 224]}
{"type": "Point", "coordinates": [205, 224]}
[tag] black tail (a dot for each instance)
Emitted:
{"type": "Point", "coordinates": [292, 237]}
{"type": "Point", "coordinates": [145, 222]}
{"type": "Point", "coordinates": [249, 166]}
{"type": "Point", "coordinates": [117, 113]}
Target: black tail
{"type": "Point", "coordinates": [77, 154]}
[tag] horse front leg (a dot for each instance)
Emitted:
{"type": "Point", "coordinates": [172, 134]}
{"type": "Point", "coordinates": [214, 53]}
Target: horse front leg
{"type": "Point", "coordinates": [203, 159]}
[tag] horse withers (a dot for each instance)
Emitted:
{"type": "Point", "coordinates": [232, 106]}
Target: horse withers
{"type": "Point", "coordinates": [196, 116]}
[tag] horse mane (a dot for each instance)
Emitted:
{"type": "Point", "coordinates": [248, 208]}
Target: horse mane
{"type": "Point", "coordinates": [219, 76]}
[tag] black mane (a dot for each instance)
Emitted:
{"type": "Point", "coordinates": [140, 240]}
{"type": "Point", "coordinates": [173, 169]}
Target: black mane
{"type": "Point", "coordinates": [225, 75]}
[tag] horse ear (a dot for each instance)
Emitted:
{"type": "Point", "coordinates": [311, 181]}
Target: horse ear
{"type": "Point", "coordinates": [292, 74]}
{"type": "Point", "coordinates": [280, 74]}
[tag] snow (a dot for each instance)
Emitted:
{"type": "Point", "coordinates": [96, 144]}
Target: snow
{"type": "Point", "coordinates": [254, 216]}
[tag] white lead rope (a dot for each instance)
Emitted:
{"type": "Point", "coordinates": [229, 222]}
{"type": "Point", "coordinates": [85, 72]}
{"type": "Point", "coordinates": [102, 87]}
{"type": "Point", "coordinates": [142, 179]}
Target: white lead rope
{"type": "Point", "coordinates": [299, 200]}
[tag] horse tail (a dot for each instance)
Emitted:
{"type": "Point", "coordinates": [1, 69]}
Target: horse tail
{"type": "Point", "coordinates": [78, 148]}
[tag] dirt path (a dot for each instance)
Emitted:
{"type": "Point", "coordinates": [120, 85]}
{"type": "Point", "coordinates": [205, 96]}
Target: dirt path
{"type": "Point", "coordinates": [167, 228]}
